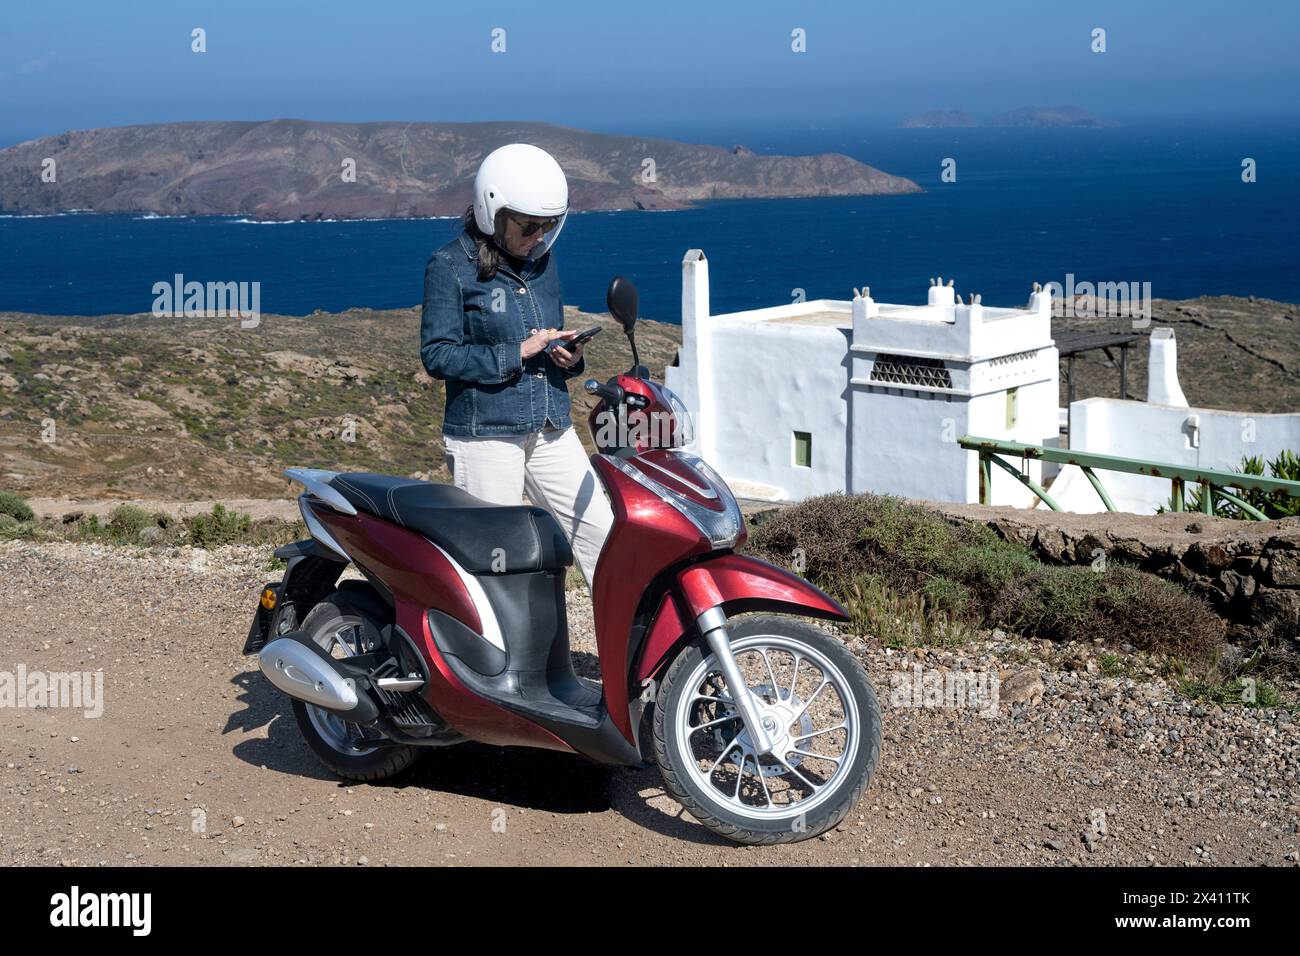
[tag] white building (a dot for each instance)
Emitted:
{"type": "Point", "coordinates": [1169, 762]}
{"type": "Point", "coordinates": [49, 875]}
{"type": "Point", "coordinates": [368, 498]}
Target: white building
{"type": "Point", "coordinates": [1165, 429]}
{"type": "Point", "coordinates": [826, 395]}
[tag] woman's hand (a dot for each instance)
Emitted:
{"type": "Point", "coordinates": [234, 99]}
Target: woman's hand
{"type": "Point", "coordinates": [539, 340]}
{"type": "Point", "coordinates": [566, 357]}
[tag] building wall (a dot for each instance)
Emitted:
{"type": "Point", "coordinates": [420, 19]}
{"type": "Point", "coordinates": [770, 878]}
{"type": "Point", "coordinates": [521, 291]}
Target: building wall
{"type": "Point", "coordinates": [1162, 433]}
{"type": "Point", "coordinates": [771, 380]}
{"type": "Point", "coordinates": [904, 440]}
{"type": "Point", "coordinates": [905, 443]}
{"type": "Point", "coordinates": [1036, 422]}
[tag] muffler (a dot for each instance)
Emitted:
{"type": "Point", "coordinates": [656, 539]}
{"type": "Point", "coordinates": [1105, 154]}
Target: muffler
{"type": "Point", "coordinates": [299, 667]}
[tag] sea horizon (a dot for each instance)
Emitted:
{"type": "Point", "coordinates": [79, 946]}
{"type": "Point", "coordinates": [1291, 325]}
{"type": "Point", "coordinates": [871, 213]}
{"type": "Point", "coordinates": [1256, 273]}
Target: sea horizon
{"type": "Point", "coordinates": [1163, 204]}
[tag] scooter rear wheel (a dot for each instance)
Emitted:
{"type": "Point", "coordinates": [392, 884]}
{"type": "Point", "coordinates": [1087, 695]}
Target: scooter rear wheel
{"type": "Point", "coordinates": [819, 707]}
{"type": "Point", "coordinates": [342, 626]}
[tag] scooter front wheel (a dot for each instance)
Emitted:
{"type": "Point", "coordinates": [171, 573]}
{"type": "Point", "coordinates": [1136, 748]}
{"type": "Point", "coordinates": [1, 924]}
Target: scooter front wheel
{"type": "Point", "coordinates": [817, 705]}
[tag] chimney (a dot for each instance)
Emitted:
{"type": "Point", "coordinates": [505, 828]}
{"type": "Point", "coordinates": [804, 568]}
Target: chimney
{"type": "Point", "coordinates": [697, 349]}
{"type": "Point", "coordinates": [941, 294]}
{"type": "Point", "coordinates": [1162, 370]}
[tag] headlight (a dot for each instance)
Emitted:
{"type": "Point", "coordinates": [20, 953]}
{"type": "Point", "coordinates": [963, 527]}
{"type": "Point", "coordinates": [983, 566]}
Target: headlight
{"type": "Point", "coordinates": [685, 432]}
{"type": "Point", "coordinates": [722, 528]}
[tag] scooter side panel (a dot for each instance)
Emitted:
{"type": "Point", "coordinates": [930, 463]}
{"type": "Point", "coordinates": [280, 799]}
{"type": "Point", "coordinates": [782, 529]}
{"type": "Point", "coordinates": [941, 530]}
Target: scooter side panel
{"type": "Point", "coordinates": [408, 565]}
{"type": "Point", "coordinates": [420, 578]}
{"type": "Point", "coordinates": [648, 535]}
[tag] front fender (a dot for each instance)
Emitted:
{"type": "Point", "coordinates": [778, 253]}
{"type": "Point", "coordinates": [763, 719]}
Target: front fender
{"type": "Point", "coordinates": [736, 583]}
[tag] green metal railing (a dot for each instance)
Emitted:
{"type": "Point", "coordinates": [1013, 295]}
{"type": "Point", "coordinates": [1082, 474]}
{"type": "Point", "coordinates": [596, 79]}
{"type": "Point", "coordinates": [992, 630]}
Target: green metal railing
{"type": "Point", "coordinates": [1211, 481]}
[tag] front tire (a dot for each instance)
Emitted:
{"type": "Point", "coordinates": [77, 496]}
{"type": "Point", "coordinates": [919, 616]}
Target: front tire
{"type": "Point", "coordinates": [827, 722]}
{"type": "Point", "coordinates": [345, 624]}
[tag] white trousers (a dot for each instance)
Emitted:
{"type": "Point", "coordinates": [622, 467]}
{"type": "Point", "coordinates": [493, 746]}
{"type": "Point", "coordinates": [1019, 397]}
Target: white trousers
{"type": "Point", "coordinates": [552, 466]}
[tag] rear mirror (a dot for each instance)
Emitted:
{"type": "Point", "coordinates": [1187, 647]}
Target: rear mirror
{"type": "Point", "coordinates": [623, 302]}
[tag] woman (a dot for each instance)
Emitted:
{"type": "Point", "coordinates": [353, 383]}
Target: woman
{"type": "Point", "coordinates": [491, 307]}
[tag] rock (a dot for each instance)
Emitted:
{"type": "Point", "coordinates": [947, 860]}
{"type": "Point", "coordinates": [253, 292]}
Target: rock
{"type": "Point", "coordinates": [1208, 558]}
{"type": "Point", "coordinates": [1227, 582]}
{"type": "Point", "coordinates": [1019, 687]}
{"type": "Point", "coordinates": [288, 361]}
{"type": "Point", "coordinates": [1051, 542]}
{"type": "Point", "coordinates": [1284, 569]}
{"type": "Point", "coordinates": [1279, 611]}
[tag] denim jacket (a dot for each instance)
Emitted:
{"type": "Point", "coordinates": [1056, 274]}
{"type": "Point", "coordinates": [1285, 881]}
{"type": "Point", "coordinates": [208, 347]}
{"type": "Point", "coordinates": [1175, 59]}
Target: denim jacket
{"type": "Point", "coordinates": [470, 333]}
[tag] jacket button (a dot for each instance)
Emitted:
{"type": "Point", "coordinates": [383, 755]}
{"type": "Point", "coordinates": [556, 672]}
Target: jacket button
{"type": "Point", "coordinates": [541, 375]}
{"type": "Point", "coordinates": [522, 290]}
{"type": "Point", "coordinates": [532, 331]}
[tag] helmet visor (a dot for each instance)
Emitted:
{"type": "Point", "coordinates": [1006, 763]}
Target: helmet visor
{"type": "Point", "coordinates": [528, 237]}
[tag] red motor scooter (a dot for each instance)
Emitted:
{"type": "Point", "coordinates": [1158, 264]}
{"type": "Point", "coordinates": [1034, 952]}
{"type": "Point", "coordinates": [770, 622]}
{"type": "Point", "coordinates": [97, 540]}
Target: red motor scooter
{"type": "Point", "coordinates": [764, 726]}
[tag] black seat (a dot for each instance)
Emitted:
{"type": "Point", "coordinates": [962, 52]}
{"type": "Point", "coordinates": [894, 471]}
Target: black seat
{"type": "Point", "coordinates": [474, 532]}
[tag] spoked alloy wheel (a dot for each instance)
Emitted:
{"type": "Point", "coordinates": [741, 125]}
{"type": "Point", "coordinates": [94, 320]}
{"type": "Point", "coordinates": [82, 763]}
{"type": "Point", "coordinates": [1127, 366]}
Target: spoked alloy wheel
{"type": "Point", "coordinates": [815, 703]}
{"type": "Point", "coordinates": [344, 638]}
{"type": "Point", "coordinates": [350, 750]}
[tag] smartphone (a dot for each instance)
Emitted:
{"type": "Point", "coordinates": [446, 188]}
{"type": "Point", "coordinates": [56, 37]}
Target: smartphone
{"type": "Point", "coordinates": [579, 339]}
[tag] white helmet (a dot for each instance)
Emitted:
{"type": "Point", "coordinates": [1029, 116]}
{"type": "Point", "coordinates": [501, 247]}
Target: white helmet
{"type": "Point", "coordinates": [525, 179]}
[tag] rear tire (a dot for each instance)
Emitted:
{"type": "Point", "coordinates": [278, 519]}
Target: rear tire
{"type": "Point", "coordinates": [810, 791]}
{"type": "Point", "coordinates": [343, 624]}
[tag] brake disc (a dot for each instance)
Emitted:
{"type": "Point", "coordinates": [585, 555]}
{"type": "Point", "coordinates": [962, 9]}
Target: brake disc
{"type": "Point", "coordinates": [724, 733]}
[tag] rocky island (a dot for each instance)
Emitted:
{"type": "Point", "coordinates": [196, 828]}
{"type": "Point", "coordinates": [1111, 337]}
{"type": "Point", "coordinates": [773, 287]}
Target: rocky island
{"type": "Point", "coordinates": [1025, 116]}
{"type": "Point", "coordinates": [295, 169]}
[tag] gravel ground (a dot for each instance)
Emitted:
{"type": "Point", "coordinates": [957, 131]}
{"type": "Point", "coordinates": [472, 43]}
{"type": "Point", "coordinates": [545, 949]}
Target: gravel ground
{"type": "Point", "coordinates": [197, 759]}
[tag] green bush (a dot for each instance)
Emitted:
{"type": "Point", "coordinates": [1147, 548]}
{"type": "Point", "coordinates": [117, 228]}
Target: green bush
{"type": "Point", "coordinates": [217, 528]}
{"type": "Point", "coordinates": [942, 576]}
{"type": "Point", "coordinates": [15, 507]}
{"type": "Point", "coordinates": [127, 525]}
{"type": "Point", "coordinates": [901, 620]}
{"type": "Point", "coordinates": [130, 525]}
{"type": "Point", "coordinates": [1274, 504]}
{"type": "Point", "coordinates": [127, 521]}
{"type": "Point", "coordinates": [1286, 465]}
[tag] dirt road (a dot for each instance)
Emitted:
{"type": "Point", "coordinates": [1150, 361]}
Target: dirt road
{"type": "Point", "coordinates": [196, 759]}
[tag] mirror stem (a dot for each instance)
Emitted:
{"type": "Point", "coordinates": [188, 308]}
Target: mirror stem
{"type": "Point", "coordinates": [636, 359]}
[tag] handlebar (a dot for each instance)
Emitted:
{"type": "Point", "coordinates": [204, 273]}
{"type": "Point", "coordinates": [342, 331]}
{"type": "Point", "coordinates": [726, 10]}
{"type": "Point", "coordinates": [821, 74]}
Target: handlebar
{"type": "Point", "coordinates": [610, 393]}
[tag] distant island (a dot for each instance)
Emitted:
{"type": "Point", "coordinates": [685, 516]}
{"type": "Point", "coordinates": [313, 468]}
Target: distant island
{"type": "Point", "coordinates": [1035, 116]}
{"type": "Point", "coordinates": [289, 169]}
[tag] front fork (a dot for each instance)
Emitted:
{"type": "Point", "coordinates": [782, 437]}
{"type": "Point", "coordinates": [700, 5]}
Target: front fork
{"type": "Point", "coordinates": [713, 625]}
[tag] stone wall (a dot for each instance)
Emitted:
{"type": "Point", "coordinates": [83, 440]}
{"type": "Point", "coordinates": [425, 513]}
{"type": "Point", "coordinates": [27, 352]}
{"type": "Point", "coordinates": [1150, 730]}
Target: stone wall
{"type": "Point", "coordinates": [1249, 571]}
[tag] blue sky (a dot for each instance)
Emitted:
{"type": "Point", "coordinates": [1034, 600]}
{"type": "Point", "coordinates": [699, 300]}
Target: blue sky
{"type": "Point", "coordinates": [668, 67]}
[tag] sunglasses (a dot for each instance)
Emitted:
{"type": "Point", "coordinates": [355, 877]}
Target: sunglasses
{"type": "Point", "coordinates": [527, 228]}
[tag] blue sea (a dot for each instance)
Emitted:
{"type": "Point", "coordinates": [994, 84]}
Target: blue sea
{"type": "Point", "coordinates": [1158, 204]}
